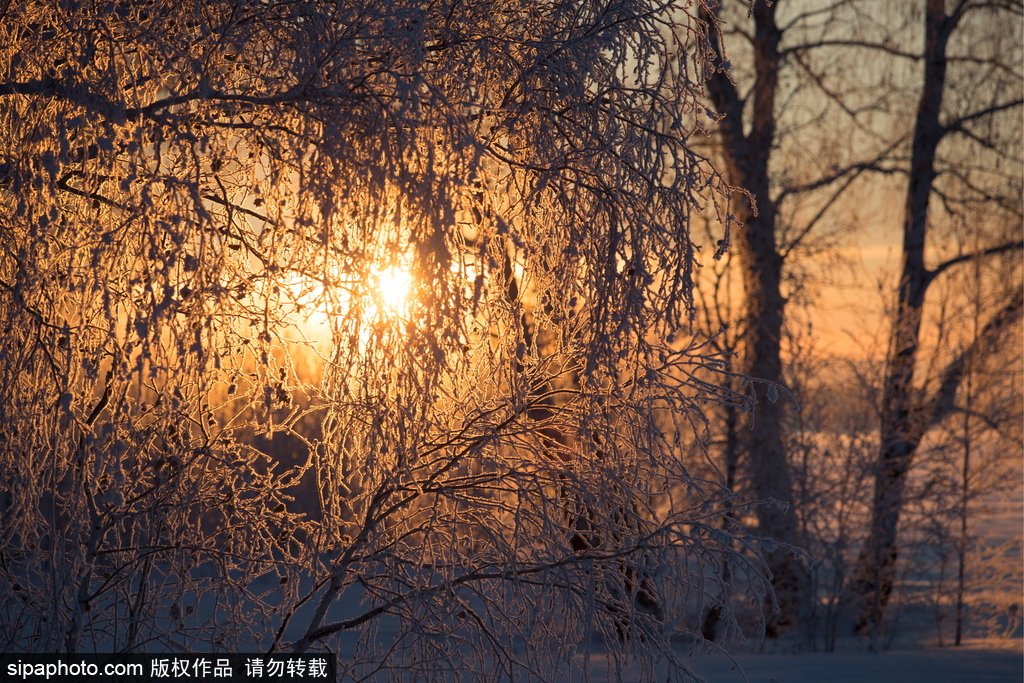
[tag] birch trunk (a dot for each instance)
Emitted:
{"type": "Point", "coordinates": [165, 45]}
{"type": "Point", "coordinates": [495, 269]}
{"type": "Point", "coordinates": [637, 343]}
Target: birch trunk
{"type": "Point", "coordinates": [746, 156]}
{"type": "Point", "coordinates": [902, 419]}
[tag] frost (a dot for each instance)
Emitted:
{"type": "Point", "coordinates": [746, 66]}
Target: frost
{"type": "Point", "coordinates": [479, 468]}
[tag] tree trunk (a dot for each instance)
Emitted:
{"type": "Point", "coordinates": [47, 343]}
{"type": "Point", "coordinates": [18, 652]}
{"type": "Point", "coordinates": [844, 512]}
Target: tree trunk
{"type": "Point", "coordinates": [762, 442]}
{"type": "Point", "coordinates": [903, 419]}
{"type": "Point", "coordinates": [746, 163]}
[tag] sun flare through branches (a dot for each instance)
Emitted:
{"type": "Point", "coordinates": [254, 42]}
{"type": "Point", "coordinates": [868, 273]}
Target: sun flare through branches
{"type": "Point", "coordinates": [392, 289]}
{"type": "Point", "coordinates": [351, 306]}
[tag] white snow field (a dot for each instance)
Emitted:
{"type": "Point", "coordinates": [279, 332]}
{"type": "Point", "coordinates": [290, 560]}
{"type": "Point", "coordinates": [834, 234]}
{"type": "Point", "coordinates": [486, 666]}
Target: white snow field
{"type": "Point", "coordinates": [973, 664]}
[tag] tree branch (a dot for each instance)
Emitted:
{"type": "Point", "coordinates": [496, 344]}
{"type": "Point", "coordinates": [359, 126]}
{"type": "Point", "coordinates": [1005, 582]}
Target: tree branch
{"type": "Point", "coordinates": [841, 173]}
{"type": "Point", "coordinates": [724, 93]}
{"type": "Point", "coordinates": [64, 185]}
{"type": "Point", "coordinates": [854, 169]}
{"type": "Point", "coordinates": [479, 575]}
{"type": "Point", "coordinates": [51, 87]}
{"type": "Point", "coordinates": [958, 124]}
{"type": "Point", "coordinates": [804, 16]}
{"type": "Point", "coordinates": [944, 401]}
{"type": "Point", "coordinates": [963, 258]}
{"type": "Point", "coordinates": [118, 113]}
{"type": "Point", "coordinates": [803, 47]}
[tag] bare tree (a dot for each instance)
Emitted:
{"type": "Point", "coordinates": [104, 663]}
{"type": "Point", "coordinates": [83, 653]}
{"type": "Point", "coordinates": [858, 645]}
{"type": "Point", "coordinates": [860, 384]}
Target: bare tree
{"type": "Point", "coordinates": [746, 155]}
{"type": "Point", "coordinates": [470, 220]}
{"type": "Point", "coordinates": [809, 105]}
{"type": "Point", "coordinates": [968, 460]}
{"type": "Point", "coordinates": [776, 94]}
{"type": "Point", "coordinates": [965, 131]}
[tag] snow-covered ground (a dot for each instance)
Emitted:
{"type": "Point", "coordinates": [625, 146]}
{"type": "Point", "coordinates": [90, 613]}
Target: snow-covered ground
{"type": "Point", "coordinates": [984, 662]}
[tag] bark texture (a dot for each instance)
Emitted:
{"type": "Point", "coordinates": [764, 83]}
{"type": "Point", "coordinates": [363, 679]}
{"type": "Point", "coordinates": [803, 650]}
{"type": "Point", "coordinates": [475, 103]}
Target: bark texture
{"type": "Point", "coordinates": [746, 156]}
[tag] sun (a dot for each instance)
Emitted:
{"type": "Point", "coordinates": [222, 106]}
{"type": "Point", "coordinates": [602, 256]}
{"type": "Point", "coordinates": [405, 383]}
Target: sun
{"type": "Point", "coordinates": [393, 285]}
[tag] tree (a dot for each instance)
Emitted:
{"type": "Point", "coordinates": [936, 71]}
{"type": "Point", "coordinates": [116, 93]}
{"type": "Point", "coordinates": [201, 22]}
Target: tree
{"type": "Point", "coordinates": [746, 157]}
{"type": "Point", "coordinates": [974, 454]}
{"type": "Point", "coordinates": [808, 107]}
{"type": "Point", "coordinates": [200, 198]}
{"type": "Point", "coordinates": [968, 182]}
{"type": "Point", "coordinates": [776, 94]}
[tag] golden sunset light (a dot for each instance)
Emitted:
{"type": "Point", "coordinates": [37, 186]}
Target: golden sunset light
{"type": "Point", "coordinates": [503, 341]}
{"type": "Point", "coordinates": [393, 286]}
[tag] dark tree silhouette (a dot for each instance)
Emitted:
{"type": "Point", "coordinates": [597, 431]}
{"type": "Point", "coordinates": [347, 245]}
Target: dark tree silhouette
{"type": "Point", "coordinates": [988, 123]}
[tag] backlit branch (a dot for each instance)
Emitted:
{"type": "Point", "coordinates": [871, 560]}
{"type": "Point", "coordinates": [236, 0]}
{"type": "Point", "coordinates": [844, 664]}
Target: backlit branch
{"type": "Point", "coordinates": [944, 401]}
{"type": "Point", "coordinates": [964, 258]}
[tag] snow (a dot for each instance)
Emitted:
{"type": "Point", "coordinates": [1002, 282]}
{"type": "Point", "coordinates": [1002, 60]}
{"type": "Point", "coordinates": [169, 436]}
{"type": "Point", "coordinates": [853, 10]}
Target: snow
{"type": "Point", "coordinates": [933, 665]}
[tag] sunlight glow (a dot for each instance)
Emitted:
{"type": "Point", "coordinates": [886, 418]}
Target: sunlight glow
{"type": "Point", "coordinates": [393, 285]}
{"type": "Point", "coordinates": [310, 307]}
